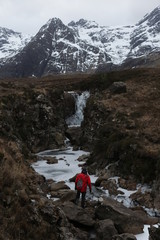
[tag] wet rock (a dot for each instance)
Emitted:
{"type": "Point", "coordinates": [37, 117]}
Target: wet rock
{"type": "Point", "coordinates": [111, 186]}
{"type": "Point", "coordinates": [83, 158]}
{"type": "Point", "coordinates": [127, 184]}
{"type": "Point", "coordinates": [145, 217]}
{"type": "Point", "coordinates": [58, 186]}
{"type": "Point", "coordinates": [124, 219]}
{"type": "Point", "coordinates": [63, 195]}
{"type": "Point", "coordinates": [59, 139]}
{"type": "Point", "coordinates": [74, 133]}
{"type": "Point", "coordinates": [107, 184]}
{"type": "Point", "coordinates": [105, 229]}
{"type": "Point", "coordinates": [100, 179]}
{"type": "Point", "coordinates": [70, 195]}
{"type": "Point", "coordinates": [154, 233]}
{"type": "Point", "coordinates": [124, 236]}
{"type": "Point", "coordinates": [77, 214]}
{"type": "Point", "coordinates": [69, 102]}
{"type": "Point", "coordinates": [50, 160]}
{"type": "Point", "coordinates": [143, 199]}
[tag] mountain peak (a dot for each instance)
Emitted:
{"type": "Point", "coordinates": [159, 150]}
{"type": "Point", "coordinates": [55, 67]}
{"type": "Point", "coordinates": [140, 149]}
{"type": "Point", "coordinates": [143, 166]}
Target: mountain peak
{"type": "Point", "coordinates": [151, 18]}
{"type": "Point", "coordinates": [81, 46]}
{"type": "Point", "coordinates": [83, 23]}
{"type": "Point", "coordinates": [52, 23]}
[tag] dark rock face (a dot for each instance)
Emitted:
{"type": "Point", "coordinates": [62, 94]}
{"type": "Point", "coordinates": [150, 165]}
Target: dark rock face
{"type": "Point", "coordinates": [69, 102]}
{"type": "Point", "coordinates": [74, 134]}
{"type": "Point", "coordinates": [105, 229]}
{"type": "Point", "coordinates": [154, 233]}
{"type": "Point", "coordinates": [36, 118]}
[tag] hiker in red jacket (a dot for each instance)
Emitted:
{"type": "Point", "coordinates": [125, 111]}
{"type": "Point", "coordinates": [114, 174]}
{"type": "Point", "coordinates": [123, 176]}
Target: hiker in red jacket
{"type": "Point", "coordinates": [82, 180]}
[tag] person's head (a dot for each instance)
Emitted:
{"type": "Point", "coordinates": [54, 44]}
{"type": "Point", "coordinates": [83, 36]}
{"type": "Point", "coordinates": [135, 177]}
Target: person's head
{"type": "Point", "coordinates": [84, 170]}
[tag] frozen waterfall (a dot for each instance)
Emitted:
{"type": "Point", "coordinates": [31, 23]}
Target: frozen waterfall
{"type": "Point", "coordinates": [80, 100]}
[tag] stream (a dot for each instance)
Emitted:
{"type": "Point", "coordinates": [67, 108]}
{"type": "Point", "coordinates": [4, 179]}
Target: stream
{"type": "Point", "coordinates": [68, 164]}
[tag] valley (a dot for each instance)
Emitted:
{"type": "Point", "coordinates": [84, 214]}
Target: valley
{"type": "Point", "coordinates": [120, 130]}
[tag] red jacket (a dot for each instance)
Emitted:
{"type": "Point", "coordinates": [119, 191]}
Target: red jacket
{"type": "Point", "coordinates": [86, 181]}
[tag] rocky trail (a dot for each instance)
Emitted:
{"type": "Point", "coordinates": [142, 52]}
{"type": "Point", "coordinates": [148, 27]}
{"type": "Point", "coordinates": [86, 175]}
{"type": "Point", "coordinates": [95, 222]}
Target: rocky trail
{"type": "Point", "coordinates": [102, 212]}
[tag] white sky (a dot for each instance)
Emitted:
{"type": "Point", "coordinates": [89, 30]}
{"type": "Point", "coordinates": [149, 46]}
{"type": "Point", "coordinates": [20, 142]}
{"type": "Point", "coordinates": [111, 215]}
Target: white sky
{"type": "Point", "coordinates": [28, 16]}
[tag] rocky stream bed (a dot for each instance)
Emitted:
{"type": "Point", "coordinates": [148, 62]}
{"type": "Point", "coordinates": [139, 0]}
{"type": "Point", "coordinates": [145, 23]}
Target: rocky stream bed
{"type": "Point", "coordinates": [118, 140]}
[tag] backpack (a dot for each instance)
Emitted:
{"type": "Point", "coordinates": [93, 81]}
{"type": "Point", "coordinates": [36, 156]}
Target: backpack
{"type": "Point", "coordinates": [79, 184]}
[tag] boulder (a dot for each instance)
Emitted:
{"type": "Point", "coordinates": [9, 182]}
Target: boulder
{"type": "Point", "coordinates": [145, 217]}
{"type": "Point", "coordinates": [83, 158]}
{"type": "Point", "coordinates": [59, 139]}
{"type": "Point", "coordinates": [125, 220]}
{"type": "Point", "coordinates": [59, 193]}
{"type": "Point", "coordinates": [143, 199]}
{"type": "Point", "coordinates": [127, 184]}
{"type": "Point", "coordinates": [99, 180]}
{"type": "Point", "coordinates": [69, 195]}
{"type": "Point", "coordinates": [58, 186]}
{"type": "Point", "coordinates": [111, 186]}
{"type": "Point", "coordinates": [124, 236]}
{"type": "Point", "coordinates": [74, 134]}
{"type": "Point", "coordinates": [77, 214]}
{"type": "Point", "coordinates": [105, 229]}
{"type": "Point", "coordinates": [51, 160]}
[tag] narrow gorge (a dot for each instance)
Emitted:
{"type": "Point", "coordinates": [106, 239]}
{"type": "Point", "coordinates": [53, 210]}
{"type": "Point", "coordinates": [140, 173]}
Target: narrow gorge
{"type": "Point", "coordinates": [119, 130]}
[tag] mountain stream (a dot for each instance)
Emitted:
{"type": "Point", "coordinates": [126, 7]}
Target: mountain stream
{"type": "Point", "coordinates": [68, 163]}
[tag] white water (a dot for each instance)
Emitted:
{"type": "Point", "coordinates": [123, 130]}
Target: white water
{"type": "Point", "coordinates": [80, 99]}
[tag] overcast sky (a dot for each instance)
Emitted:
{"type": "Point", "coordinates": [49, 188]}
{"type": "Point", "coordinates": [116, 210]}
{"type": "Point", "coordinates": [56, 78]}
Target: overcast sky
{"type": "Point", "coordinates": [27, 16]}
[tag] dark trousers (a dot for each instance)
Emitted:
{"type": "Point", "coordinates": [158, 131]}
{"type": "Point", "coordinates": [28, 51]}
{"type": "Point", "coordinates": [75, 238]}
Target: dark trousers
{"type": "Point", "coordinates": [82, 200]}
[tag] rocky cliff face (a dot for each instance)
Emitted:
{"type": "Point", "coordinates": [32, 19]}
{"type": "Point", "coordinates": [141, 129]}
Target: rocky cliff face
{"type": "Point", "coordinates": [35, 118]}
{"type": "Point", "coordinates": [82, 46]}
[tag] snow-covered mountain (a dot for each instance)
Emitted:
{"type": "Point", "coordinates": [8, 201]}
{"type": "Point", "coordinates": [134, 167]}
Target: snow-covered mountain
{"type": "Point", "coordinates": [11, 42]}
{"type": "Point", "coordinates": [81, 46]}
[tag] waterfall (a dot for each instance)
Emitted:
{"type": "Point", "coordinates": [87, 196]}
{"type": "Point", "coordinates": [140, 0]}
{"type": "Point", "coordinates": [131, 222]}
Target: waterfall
{"type": "Point", "coordinates": [80, 100]}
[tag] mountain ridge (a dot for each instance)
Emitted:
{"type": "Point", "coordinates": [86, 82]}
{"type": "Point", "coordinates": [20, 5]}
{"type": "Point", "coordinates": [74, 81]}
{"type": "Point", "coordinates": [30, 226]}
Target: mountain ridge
{"type": "Point", "coordinates": [83, 46]}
